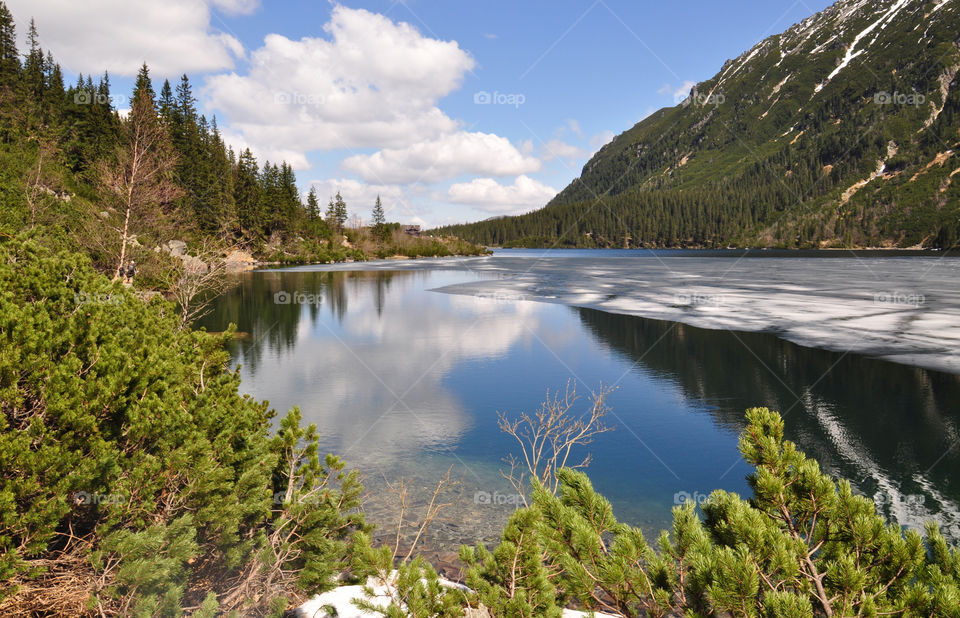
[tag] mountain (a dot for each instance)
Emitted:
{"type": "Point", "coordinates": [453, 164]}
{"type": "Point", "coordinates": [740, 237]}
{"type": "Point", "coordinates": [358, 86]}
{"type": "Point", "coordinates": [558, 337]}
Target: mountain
{"type": "Point", "coordinates": [840, 132]}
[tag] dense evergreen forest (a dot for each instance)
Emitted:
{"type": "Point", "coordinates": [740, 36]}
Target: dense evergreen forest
{"type": "Point", "coordinates": [64, 134]}
{"type": "Point", "coordinates": [771, 152]}
{"type": "Point", "coordinates": [78, 173]}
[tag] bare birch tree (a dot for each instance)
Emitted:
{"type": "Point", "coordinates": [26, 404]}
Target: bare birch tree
{"type": "Point", "coordinates": [139, 181]}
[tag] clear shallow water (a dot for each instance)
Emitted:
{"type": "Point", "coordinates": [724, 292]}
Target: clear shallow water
{"type": "Point", "coordinates": [402, 380]}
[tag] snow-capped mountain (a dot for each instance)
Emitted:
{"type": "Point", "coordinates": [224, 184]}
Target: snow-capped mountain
{"type": "Point", "coordinates": [840, 131]}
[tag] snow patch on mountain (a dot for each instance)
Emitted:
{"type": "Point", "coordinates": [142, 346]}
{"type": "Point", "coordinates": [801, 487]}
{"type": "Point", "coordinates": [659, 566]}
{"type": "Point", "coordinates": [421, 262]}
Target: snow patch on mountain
{"type": "Point", "coordinates": [937, 8]}
{"type": "Point", "coordinates": [852, 51]}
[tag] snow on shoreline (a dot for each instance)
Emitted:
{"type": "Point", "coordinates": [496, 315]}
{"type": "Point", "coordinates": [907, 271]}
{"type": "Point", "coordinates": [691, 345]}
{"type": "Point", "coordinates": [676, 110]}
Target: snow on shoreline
{"type": "Point", "coordinates": [341, 599]}
{"type": "Point", "coordinates": [902, 309]}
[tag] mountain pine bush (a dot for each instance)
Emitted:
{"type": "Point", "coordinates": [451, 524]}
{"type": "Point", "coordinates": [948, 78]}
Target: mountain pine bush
{"type": "Point", "coordinates": [803, 545]}
{"type": "Point", "coordinates": [134, 477]}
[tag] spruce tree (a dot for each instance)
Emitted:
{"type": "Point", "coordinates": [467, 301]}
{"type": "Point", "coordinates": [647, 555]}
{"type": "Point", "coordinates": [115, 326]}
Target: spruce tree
{"type": "Point", "coordinates": [340, 212]}
{"type": "Point", "coordinates": [330, 216]}
{"type": "Point", "coordinates": [248, 196]}
{"type": "Point", "coordinates": [144, 86]}
{"type": "Point", "coordinates": [33, 78]}
{"type": "Point", "coordinates": [166, 103]}
{"type": "Point", "coordinates": [379, 221]}
{"type": "Point", "coordinates": [54, 95]}
{"type": "Point", "coordinates": [9, 56]}
{"type": "Point", "coordinates": [313, 206]}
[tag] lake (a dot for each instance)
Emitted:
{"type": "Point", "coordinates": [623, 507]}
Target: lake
{"type": "Point", "coordinates": [406, 381]}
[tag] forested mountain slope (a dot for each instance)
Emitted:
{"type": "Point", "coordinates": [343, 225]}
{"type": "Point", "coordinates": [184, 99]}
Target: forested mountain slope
{"type": "Point", "coordinates": [841, 131]}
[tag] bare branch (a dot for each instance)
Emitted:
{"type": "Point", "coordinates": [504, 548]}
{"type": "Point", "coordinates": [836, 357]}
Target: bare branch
{"type": "Point", "coordinates": [548, 438]}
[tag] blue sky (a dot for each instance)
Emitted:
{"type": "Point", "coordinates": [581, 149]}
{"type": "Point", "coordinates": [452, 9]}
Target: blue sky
{"type": "Point", "coordinates": [453, 110]}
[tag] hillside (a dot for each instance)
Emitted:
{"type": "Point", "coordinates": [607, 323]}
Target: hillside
{"type": "Point", "coordinates": [840, 132]}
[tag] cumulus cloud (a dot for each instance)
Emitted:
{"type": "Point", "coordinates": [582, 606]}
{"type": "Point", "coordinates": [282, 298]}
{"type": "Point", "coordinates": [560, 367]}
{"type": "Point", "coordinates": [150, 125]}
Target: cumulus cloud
{"type": "Point", "coordinates": [370, 83]}
{"type": "Point", "coordinates": [445, 157]}
{"type": "Point", "coordinates": [489, 195]}
{"type": "Point", "coordinates": [172, 37]}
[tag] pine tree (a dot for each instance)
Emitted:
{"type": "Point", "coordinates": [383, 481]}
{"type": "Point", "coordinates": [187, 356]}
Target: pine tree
{"type": "Point", "coordinates": [144, 86]}
{"type": "Point", "coordinates": [803, 545]}
{"type": "Point", "coordinates": [291, 208]}
{"type": "Point", "coordinates": [330, 216]}
{"type": "Point", "coordinates": [379, 221]}
{"type": "Point", "coordinates": [217, 513]}
{"type": "Point", "coordinates": [185, 102]}
{"type": "Point", "coordinates": [340, 212]}
{"type": "Point", "coordinates": [313, 206]}
{"type": "Point", "coordinates": [166, 103]}
{"type": "Point", "coordinates": [248, 196]}
{"type": "Point", "coordinates": [221, 165]}
{"type": "Point", "coordinates": [54, 95]}
{"type": "Point", "coordinates": [33, 69]}
{"type": "Point", "coordinates": [9, 56]}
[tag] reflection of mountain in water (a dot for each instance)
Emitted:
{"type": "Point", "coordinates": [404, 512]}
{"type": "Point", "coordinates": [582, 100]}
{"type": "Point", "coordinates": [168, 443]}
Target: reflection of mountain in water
{"type": "Point", "coordinates": [850, 412]}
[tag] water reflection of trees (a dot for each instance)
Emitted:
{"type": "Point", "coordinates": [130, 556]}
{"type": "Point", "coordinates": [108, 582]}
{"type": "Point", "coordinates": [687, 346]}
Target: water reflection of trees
{"type": "Point", "coordinates": [263, 323]}
{"type": "Point", "coordinates": [847, 410]}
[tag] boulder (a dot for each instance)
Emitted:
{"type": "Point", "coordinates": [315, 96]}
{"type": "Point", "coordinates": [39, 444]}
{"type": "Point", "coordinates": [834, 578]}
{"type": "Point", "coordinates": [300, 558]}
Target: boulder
{"type": "Point", "coordinates": [176, 248]}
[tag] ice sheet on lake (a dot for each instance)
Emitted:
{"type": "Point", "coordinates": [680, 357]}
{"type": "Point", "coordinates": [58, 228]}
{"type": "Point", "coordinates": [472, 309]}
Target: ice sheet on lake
{"type": "Point", "coordinates": [903, 309]}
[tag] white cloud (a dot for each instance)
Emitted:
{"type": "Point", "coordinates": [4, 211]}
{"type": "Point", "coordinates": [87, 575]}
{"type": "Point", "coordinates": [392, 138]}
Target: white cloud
{"type": "Point", "coordinates": [172, 37]}
{"type": "Point", "coordinates": [237, 7]}
{"type": "Point", "coordinates": [489, 195]}
{"type": "Point", "coordinates": [445, 157]}
{"type": "Point", "coordinates": [360, 197]}
{"type": "Point", "coordinates": [678, 93]}
{"type": "Point", "coordinates": [372, 83]}
{"type": "Point", "coordinates": [559, 149]}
